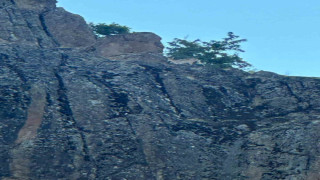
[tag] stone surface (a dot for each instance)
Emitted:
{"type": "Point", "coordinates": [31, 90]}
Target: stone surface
{"type": "Point", "coordinates": [142, 42]}
{"type": "Point", "coordinates": [69, 30]}
{"type": "Point", "coordinates": [66, 113]}
{"type": "Point", "coordinates": [22, 25]}
{"type": "Point", "coordinates": [35, 5]}
{"type": "Point", "coordinates": [40, 23]}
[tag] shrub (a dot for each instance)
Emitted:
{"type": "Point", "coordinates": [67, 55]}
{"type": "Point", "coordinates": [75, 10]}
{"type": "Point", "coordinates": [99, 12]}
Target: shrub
{"type": "Point", "coordinates": [109, 29]}
{"type": "Point", "coordinates": [223, 53]}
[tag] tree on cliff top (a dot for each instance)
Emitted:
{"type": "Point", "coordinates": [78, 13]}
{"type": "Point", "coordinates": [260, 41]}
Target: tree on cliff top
{"type": "Point", "coordinates": [109, 29]}
{"type": "Point", "coordinates": [223, 53]}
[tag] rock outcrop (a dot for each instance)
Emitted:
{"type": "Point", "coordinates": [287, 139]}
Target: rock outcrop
{"type": "Point", "coordinates": [22, 23]}
{"type": "Point", "coordinates": [68, 30]}
{"type": "Point", "coordinates": [70, 113]}
{"type": "Point", "coordinates": [34, 5]}
{"type": "Point", "coordinates": [113, 46]}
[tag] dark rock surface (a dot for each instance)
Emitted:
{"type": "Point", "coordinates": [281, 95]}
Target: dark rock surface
{"type": "Point", "coordinates": [23, 23]}
{"type": "Point", "coordinates": [38, 6]}
{"type": "Point", "coordinates": [69, 114]}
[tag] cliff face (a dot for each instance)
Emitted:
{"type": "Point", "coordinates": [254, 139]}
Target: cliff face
{"type": "Point", "coordinates": [68, 112]}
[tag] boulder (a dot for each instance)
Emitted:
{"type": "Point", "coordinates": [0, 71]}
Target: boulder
{"type": "Point", "coordinates": [115, 45]}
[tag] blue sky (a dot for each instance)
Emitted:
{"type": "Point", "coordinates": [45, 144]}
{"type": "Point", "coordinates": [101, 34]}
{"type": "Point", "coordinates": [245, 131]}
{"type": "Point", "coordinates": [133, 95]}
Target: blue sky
{"type": "Point", "coordinates": [283, 36]}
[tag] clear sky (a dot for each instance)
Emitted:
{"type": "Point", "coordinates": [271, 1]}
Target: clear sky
{"type": "Point", "coordinates": [283, 35]}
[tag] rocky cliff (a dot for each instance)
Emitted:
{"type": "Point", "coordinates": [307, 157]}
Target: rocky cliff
{"type": "Point", "coordinates": [70, 112]}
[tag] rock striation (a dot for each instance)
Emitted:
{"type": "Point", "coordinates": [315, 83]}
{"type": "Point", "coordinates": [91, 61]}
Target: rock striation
{"type": "Point", "coordinates": [68, 112]}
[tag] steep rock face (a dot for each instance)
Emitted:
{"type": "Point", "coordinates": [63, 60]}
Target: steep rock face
{"type": "Point", "coordinates": [66, 113]}
{"type": "Point", "coordinates": [40, 23]}
{"type": "Point", "coordinates": [68, 29]}
{"type": "Point", "coordinates": [23, 25]}
{"type": "Point", "coordinates": [35, 5]}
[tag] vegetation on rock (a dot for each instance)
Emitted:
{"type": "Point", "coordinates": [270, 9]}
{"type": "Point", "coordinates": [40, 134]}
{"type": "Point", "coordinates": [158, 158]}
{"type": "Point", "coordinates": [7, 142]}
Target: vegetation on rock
{"type": "Point", "coordinates": [223, 53]}
{"type": "Point", "coordinates": [102, 29]}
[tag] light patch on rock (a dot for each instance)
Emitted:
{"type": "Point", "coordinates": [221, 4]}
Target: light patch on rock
{"type": "Point", "coordinates": [20, 164]}
{"type": "Point", "coordinates": [243, 127]}
{"type": "Point", "coordinates": [95, 102]}
{"type": "Point", "coordinates": [184, 61]}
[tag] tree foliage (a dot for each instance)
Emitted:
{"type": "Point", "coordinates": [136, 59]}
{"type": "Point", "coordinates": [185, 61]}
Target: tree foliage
{"type": "Point", "coordinates": [109, 29]}
{"type": "Point", "coordinates": [219, 53]}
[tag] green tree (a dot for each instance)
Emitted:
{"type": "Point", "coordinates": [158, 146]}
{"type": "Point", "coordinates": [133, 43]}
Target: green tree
{"type": "Point", "coordinates": [223, 53]}
{"type": "Point", "coordinates": [109, 29]}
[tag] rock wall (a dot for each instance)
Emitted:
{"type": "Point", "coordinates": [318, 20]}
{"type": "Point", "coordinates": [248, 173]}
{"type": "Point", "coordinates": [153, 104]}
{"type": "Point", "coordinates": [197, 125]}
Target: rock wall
{"type": "Point", "coordinates": [69, 30]}
{"type": "Point", "coordinates": [70, 113]}
{"type": "Point", "coordinates": [35, 5]}
{"type": "Point", "coordinates": [22, 25]}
